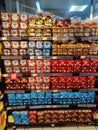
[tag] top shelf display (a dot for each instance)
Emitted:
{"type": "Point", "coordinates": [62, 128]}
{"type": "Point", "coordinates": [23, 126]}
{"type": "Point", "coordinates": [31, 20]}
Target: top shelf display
{"type": "Point", "coordinates": [43, 25]}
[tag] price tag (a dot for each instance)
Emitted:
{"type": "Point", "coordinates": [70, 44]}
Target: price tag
{"type": "Point", "coordinates": [55, 106]}
{"type": "Point", "coordinates": [34, 74]}
{"type": "Point", "coordinates": [53, 125]}
{"type": "Point", "coordinates": [95, 74]}
{"type": "Point", "coordinates": [9, 108]}
{"type": "Point", "coordinates": [54, 57]}
{"type": "Point", "coordinates": [83, 90]}
{"type": "Point", "coordinates": [64, 106]}
{"type": "Point", "coordinates": [39, 57]}
{"type": "Point", "coordinates": [45, 38]}
{"type": "Point", "coordinates": [5, 75]}
{"type": "Point", "coordinates": [4, 38]}
{"type": "Point", "coordinates": [82, 105]}
{"type": "Point", "coordinates": [48, 106]}
{"type": "Point", "coordinates": [13, 76]}
{"type": "Point", "coordinates": [55, 90]}
{"type": "Point", "coordinates": [8, 91]}
{"type": "Point", "coordinates": [83, 57]}
{"type": "Point", "coordinates": [21, 107]}
{"type": "Point", "coordinates": [20, 91]}
{"type": "Point", "coordinates": [95, 89]}
{"type": "Point", "coordinates": [69, 90]}
{"type": "Point", "coordinates": [31, 57]}
{"type": "Point", "coordinates": [95, 38]}
{"type": "Point", "coordinates": [54, 38]}
{"type": "Point", "coordinates": [91, 105]}
{"type": "Point", "coordinates": [38, 90]}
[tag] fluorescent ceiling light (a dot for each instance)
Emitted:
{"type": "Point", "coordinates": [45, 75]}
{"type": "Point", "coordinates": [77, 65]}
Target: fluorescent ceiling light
{"type": "Point", "coordinates": [78, 8]}
{"type": "Point", "coordinates": [38, 6]}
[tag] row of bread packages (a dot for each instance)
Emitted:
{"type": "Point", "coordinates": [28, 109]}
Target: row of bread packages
{"type": "Point", "coordinates": [39, 32]}
{"type": "Point", "coordinates": [40, 83]}
{"type": "Point", "coordinates": [68, 32]}
{"type": "Point", "coordinates": [28, 86]}
{"type": "Point", "coordinates": [42, 66]}
{"type": "Point", "coordinates": [26, 52]}
{"type": "Point", "coordinates": [39, 19]}
{"type": "Point", "coordinates": [47, 95]}
{"type": "Point", "coordinates": [52, 116]}
{"type": "Point", "coordinates": [39, 98]}
{"type": "Point", "coordinates": [22, 31]}
{"type": "Point", "coordinates": [54, 63]}
{"type": "Point", "coordinates": [16, 28]}
{"type": "Point", "coordinates": [62, 79]}
{"type": "Point", "coordinates": [73, 82]}
{"type": "Point", "coordinates": [14, 33]}
{"type": "Point", "coordinates": [71, 69]}
{"type": "Point", "coordinates": [64, 66]}
{"type": "Point", "coordinates": [74, 49]}
{"type": "Point", "coordinates": [26, 44]}
{"type": "Point", "coordinates": [14, 25]}
{"type": "Point", "coordinates": [83, 62]}
{"type": "Point", "coordinates": [14, 17]}
{"type": "Point", "coordinates": [29, 70]}
{"type": "Point", "coordinates": [40, 63]}
{"type": "Point", "coordinates": [63, 49]}
{"type": "Point", "coordinates": [29, 80]}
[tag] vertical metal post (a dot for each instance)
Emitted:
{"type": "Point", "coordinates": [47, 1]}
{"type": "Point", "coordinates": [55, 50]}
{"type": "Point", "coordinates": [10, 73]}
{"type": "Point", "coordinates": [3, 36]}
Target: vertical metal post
{"type": "Point", "coordinates": [17, 6]}
{"type": "Point", "coordinates": [91, 9]}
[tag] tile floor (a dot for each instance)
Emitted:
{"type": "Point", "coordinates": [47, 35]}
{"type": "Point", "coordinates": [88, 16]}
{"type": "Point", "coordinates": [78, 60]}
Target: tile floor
{"type": "Point", "coordinates": [61, 128]}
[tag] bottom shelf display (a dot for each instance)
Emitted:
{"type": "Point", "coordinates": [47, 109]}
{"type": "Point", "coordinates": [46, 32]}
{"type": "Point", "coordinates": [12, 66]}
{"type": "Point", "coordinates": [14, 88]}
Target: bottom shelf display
{"type": "Point", "coordinates": [50, 117]}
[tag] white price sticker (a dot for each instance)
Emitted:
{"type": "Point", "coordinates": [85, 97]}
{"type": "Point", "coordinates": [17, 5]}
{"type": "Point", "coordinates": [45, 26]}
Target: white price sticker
{"type": "Point", "coordinates": [54, 57]}
{"type": "Point", "coordinates": [45, 38]}
{"type": "Point", "coordinates": [54, 38]}
{"type": "Point", "coordinates": [5, 75]}
{"type": "Point", "coordinates": [31, 57]}
{"type": "Point", "coordinates": [34, 74]}
{"type": "Point", "coordinates": [4, 38]}
{"type": "Point", "coordinates": [39, 57]}
{"type": "Point", "coordinates": [83, 57]}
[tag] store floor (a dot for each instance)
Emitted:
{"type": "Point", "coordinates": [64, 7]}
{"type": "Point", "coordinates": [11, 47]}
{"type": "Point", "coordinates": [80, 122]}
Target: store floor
{"type": "Point", "coordinates": [61, 128]}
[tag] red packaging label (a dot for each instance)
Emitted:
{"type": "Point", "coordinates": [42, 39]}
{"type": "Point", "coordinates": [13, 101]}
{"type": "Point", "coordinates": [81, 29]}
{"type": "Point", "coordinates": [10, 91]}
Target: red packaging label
{"type": "Point", "coordinates": [13, 76]}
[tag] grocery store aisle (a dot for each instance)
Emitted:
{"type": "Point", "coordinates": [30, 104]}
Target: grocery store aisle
{"type": "Point", "coordinates": [61, 128]}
